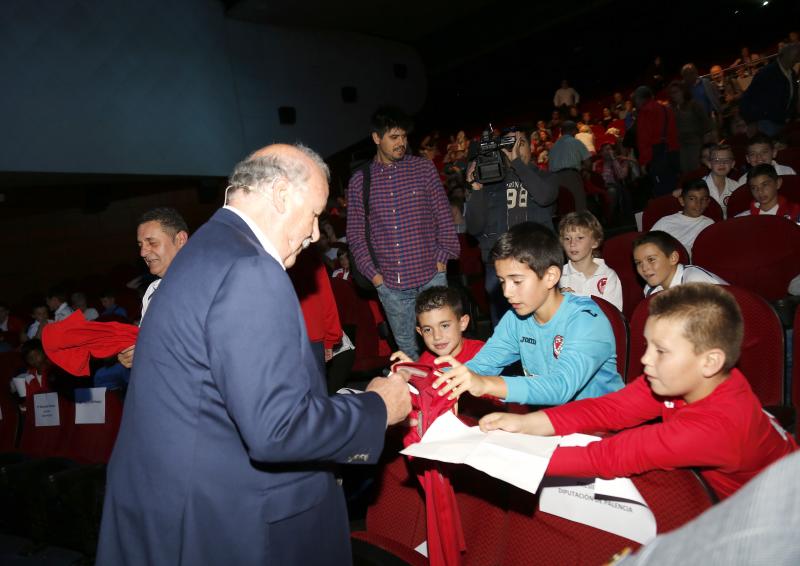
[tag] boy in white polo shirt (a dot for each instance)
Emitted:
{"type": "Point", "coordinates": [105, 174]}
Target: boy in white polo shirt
{"type": "Point", "coordinates": [656, 258]}
{"type": "Point", "coordinates": [720, 186]}
{"type": "Point", "coordinates": [761, 150]}
{"type": "Point", "coordinates": [684, 226]}
{"type": "Point", "coordinates": [583, 274]}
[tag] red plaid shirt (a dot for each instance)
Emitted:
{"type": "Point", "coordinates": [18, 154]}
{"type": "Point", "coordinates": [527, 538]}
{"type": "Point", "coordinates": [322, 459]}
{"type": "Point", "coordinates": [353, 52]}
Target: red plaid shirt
{"type": "Point", "coordinates": [411, 227]}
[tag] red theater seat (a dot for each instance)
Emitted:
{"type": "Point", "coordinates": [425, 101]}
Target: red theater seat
{"type": "Point", "coordinates": [759, 253]}
{"type": "Point", "coordinates": [621, 333]}
{"type": "Point", "coordinates": [739, 201]}
{"type": "Point", "coordinates": [48, 441]}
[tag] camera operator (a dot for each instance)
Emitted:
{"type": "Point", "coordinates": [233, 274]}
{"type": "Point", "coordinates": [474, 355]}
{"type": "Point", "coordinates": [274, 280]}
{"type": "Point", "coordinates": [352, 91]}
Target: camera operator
{"type": "Point", "coordinates": [524, 194]}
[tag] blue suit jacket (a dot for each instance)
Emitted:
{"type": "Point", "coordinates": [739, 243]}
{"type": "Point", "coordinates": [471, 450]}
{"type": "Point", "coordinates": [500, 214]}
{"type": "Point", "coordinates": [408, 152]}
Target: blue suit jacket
{"type": "Point", "coordinates": [228, 434]}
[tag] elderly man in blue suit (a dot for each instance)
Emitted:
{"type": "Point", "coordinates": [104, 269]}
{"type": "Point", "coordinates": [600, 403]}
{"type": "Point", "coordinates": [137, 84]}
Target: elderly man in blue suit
{"type": "Point", "coordinates": [228, 437]}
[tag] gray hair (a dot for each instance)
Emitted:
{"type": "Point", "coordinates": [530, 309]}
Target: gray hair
{"type": "Point", "coordinates": [254, 172]}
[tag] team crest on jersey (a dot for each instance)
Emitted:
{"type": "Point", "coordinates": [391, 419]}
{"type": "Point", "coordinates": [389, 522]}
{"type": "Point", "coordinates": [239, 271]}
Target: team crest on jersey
{"type": "Point", "coordinates": [601, 285]}
{"type": "Point", "coordinates": [726, 199]}
{"type": "Point", "coordinates": [558, 343]}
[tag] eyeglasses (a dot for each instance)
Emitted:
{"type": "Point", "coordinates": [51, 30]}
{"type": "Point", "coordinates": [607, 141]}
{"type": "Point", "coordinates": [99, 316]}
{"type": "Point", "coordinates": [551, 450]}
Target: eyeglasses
{"type": "Point", "coordinates": [722, 161]}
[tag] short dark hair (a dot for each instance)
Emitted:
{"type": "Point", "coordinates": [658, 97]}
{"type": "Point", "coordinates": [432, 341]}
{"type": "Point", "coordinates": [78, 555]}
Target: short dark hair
{"type": "Point", "coordinates": [34, 344]}
{"type": "Point", "coordinates": [763, 169]}
{"type": "Point", "coordinates": [760, 138]}
{"type": "Point", "coordinates": [710, 314]}
{"type": "Point", "coordinates": [569, 127]}
{"type": "Point", "coordinates": [170, 219]}
{"type": "Point", "coordinates": [58, 292]}
{"type": "Point", "coordinates": [659, 239]}
{"type": "Point", "coordinates": [387, 118]}
{"type": "Point", "coordinates": [437, 298]}
{"type": "Point", "coordinates": [532, 244]}
{"type": "Point", "coordinates": [694, 185]}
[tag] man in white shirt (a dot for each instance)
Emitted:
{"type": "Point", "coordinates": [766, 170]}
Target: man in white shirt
{"type": "Point", "coordinates": [684, 226]}
{"type": "Point", "coordinates": [566, 96]}
{"type": "Point", "coordinates": [161, 233]}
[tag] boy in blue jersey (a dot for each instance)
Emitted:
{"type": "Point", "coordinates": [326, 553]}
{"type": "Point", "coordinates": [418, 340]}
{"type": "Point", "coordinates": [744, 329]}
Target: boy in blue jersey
{"type": "Point", "coordinates": [564, 341]}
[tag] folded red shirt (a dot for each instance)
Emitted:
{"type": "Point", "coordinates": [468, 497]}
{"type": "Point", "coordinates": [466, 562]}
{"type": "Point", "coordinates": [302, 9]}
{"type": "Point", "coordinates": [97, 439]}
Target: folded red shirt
{"type": "Point", "coordinates": [71, 342]}
{"type": "Point", "coordinates": [445, 534]}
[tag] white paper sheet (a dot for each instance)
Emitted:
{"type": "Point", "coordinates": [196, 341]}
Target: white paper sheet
{"type": "Point", "coordinates": [45, 407]}
{"type": "Point", "coordinates": [90, 405]}
{"type": "Point", "coordinates": [518, 459]}
{"type": "Point", "coordinates": [614, 506]}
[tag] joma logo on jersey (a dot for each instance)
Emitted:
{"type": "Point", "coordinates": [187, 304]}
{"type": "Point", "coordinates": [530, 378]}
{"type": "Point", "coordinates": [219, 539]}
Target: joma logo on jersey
{"type": "Point", "coordinates": [527, 340]}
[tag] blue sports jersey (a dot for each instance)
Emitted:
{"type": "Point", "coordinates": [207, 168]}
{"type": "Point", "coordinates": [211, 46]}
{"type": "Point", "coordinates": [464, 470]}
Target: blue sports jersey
{"type": "Point", "coordinates": [572, 356]}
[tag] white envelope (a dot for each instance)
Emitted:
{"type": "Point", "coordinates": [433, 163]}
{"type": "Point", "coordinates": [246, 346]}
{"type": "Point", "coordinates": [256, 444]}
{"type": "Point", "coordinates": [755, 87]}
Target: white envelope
{"type": "Point", "coordinates": [90, 405]}
{"type": "Point", "coordinates": [614, 506]}
{"type": "Point", "coordinates": [518, 459]}
{"type": "Point", "coordinates": [45, 407]}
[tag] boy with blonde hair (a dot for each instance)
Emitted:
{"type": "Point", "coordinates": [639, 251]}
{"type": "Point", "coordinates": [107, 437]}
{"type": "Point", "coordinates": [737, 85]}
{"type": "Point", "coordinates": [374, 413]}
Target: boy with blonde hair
{"type": "Point", "coordinates": [710, 417]}
{"type": "Point", "coordinates": [584, 274]}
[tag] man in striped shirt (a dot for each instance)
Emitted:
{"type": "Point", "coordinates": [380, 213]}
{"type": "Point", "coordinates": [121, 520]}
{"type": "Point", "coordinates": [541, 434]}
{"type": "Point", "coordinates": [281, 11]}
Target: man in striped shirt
{"type": "Point", "coordinates": [411, 230]}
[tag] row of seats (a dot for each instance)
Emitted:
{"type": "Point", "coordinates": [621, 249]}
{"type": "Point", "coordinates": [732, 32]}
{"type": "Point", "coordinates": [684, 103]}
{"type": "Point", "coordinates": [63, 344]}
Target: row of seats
{"type": "Point", "coordinates": [52, 479]}
{"type": "Point", "coordinates": [761, 254]}
{"type": "Point", "coordinates": [502, 524]}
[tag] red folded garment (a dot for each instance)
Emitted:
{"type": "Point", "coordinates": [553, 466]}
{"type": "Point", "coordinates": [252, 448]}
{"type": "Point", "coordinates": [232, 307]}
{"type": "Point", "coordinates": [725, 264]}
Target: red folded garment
{"type": "Point", "coordinates": [445, 534]}
{"type": "Point", "coordinates": [71, 342]}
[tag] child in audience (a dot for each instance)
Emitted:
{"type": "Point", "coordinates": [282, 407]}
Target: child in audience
{"type": "Point", "coordinates": [761, 150]}
{"type": "Point", "coordinates": [41, 317]}
{"type": "Point", "coordinates": [441, 321]}
{"type": "Point", "coordinates": [684, 226]}
{"type": "Point", "coordinates": [658, 262]}
{"type": "Point", "coordinates": [110, 307]}
{"type": "Point", "coordinates": [35, 380]}
{"type": "Point", "coordinates": [720, 186]}
{"type": "Point", "coordinates": [710, 417]}
{"type": "Point", "coordinates": [764, 184]}
{"type": "Point", "coordinates": [705, 155]}
{"type": "Point", "coordinates": [583, 274]}
{"type": "Point", "coordinates": [564, 341]}
{"type": "Point", "coordinates": [343, 271]}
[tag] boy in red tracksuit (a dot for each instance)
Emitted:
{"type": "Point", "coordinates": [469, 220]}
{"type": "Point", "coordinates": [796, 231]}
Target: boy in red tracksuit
{"type": "Point", "coordinates": [711, 419]}
{"type": "Point", "coordinates": [441, 321]}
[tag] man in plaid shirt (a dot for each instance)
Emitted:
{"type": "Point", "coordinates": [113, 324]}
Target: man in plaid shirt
{"type": "Point", "coordinates": [411, 227]}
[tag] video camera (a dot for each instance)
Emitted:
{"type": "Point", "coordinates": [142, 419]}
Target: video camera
{"type": "Point", "coordinates": [490, 163]}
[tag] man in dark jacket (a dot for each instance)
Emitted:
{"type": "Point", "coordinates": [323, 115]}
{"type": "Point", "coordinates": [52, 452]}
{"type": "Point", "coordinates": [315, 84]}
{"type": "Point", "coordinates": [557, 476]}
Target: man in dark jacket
{"type": "Point", "coordinates": [525, 194]}
{"type": "Point", "coordinates": [771, 99]}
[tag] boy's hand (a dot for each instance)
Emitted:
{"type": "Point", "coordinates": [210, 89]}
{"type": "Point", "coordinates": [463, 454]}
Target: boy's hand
{"type": "Point", "coordinates": [537, 423]}
{"type": "Point", "coordinates": [508, 422]}
{"type": "Point", "coordinates": [399, 357]}
{"type": "Point", "coordinates": [458, 379]}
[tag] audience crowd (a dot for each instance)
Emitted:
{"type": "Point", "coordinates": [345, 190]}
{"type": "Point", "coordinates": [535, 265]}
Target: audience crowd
{"type": "Point", "coordinates": [689, 145]}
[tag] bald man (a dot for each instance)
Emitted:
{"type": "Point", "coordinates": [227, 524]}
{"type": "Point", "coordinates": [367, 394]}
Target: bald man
{"type": "Point", "coordinates": [226, 446]}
